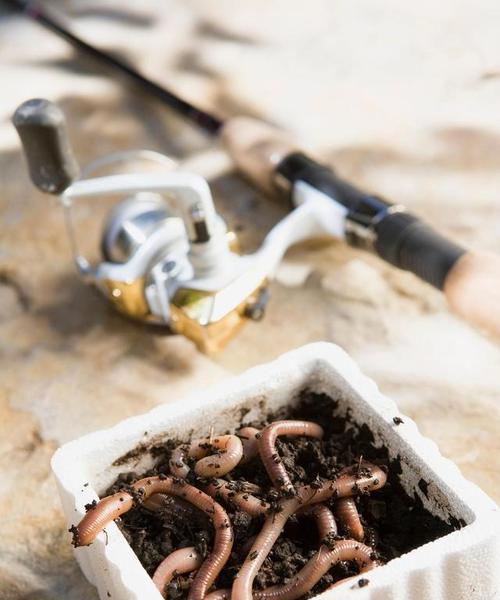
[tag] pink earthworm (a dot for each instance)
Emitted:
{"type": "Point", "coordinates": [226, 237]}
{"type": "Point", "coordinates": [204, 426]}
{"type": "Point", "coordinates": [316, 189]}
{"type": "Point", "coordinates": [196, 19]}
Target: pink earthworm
{"type": "Point", "coordinates": [272, 528]}
{"type": "Point", "coordinates": [251, 487]}
{"type": "Point", "coordinates": [347, 513]}
{"type": "Point", "coordinates": [317, 566]}
{"type": "Point", "coordinates": [179, 562]}
{"type": "Point", "coordinates": [245, 501]}
{"type": "Point", "coordinates": [370, 477]}
{"type": "Point", "coordinates": [177, 462]}
{"type": "Point", "coordinates": [110, 508]}
{"type": "Point", "coordinates": [229, 451]}
{"type": "Point", "coordinates": [249, 437]}
{"type": "Point", "coordinates": [158, 502]}
{"type": "Point", "coordinates": [219, 595]}
{"type": "Point", "coordinates": [267, 449]}
{"type": "Point", "coordinates": [325, 521]}
{"type": "Point", "coordinates": [365, 569]}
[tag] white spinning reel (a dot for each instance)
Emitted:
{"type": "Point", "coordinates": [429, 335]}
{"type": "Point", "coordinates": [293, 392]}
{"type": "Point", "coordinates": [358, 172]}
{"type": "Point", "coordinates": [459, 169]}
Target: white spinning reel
{"type": "Point", "coordinates": [167, 255]}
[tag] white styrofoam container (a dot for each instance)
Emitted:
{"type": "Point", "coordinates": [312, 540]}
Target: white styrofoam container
{"type": "Point", "coordinates": [464, 565]}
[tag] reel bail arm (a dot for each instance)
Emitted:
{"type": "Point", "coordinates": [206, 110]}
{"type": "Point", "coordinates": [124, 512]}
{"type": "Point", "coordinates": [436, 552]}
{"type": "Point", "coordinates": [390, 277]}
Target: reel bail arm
{"type": "Point", "coordinates": [41, 126]}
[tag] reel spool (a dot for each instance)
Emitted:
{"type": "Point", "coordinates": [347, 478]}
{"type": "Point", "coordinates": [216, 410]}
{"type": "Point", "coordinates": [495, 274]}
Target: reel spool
{"type": "Point", "coordinates": [167, 255]}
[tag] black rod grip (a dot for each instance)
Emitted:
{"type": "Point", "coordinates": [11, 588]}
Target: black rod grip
{"type": "Point", "coordinates": [399, 237]}
{"type": "Point", "coordinates": [410, 244]}
{"type": "Point", "coordinates": [42, 128]}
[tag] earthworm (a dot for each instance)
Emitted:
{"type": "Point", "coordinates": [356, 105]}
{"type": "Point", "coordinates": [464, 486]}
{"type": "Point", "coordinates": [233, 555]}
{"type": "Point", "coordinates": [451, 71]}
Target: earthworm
{"type": "Point", "coordinates": [112, 507]}
{"type": "Point", "coordinates": [267, 449]}
{"type": "Point", "coordinates": [229, 451]}
{"type": "Point", "coordinates": [106, 510]}
{"type": "Point", "coordinates": [180, 507]}
{"type": "Point", "coordinates": [249, 439]}
{"type": "Point", "coordinates": [245, 501]}
{"type": "Point", "coordinates": [273, 525]}
{"type": "Point", "coordinates": [309, 575]}
{"type": "Point", "coordinates": [374, 564]}
{"type": "Point", "coordinates": [316, 567]}
{"type": "Point", "coordinates": [347, 513]}
{"type": "Point", "coordinates": [370, 477]}
{"type": "Point", "coordinates": [251, 487]}
{"type": "Point", "coordinates": [157, 502]}
{"type": "Point", "coordinates": [179, 562]}
{"type": "Point", "coordinates": [325, 521]}
{"type": "Point", "coordinates": [219, 595]}
{"type": "Point", "coordinates": [177, 463]}
{"type": "Point", "coordinates": [362, 480]}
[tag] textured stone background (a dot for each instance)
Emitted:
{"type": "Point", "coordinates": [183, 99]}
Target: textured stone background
{"type": "Point", "coordinates": [402, 97]}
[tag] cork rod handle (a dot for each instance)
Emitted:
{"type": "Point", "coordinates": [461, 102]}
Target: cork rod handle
{"type": "Point", "coordinates": [472, 289]}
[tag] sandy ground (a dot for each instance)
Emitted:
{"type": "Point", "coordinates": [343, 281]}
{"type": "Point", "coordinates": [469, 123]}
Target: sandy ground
{"type": "Point", "coordinates": [403, 98]}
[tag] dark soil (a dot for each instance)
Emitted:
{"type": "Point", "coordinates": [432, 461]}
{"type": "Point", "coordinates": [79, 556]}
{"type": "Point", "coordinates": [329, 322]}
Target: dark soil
{"type": "Point", "coordinates": [395, 523]}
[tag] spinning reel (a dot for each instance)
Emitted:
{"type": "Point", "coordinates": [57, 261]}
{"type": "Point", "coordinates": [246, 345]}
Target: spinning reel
{"type": "Point", "coordinates": [167, 256]}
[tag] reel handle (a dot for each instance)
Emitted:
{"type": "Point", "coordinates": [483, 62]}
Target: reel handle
{"type": "Point", "coordinates": [41, 125]}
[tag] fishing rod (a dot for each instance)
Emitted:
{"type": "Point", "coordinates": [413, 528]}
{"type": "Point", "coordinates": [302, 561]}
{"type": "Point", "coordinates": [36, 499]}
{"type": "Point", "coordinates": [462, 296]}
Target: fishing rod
{"type": "Point", "coordinates": [322, 202]}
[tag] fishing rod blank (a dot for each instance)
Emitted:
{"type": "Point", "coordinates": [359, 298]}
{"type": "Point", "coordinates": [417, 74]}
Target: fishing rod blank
{"type": "Point", "coordinates": [210, 123]}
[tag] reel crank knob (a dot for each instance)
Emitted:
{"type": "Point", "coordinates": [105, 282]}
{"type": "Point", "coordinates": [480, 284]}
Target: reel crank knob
{"type": "Point", "coordinates": [42, 128]}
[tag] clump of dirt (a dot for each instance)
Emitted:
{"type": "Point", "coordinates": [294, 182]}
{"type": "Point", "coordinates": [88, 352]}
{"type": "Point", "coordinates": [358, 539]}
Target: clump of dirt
{"type": "Point", "coordinates": [394, 522]}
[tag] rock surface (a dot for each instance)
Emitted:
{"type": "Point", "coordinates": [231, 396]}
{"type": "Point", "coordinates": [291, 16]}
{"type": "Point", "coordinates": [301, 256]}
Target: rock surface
{"type": "Point", "coordinates": [402, 98]}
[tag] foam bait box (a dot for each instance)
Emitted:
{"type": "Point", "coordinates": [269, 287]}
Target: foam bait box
{"type": "Point", "coordinates": [462, 565]}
